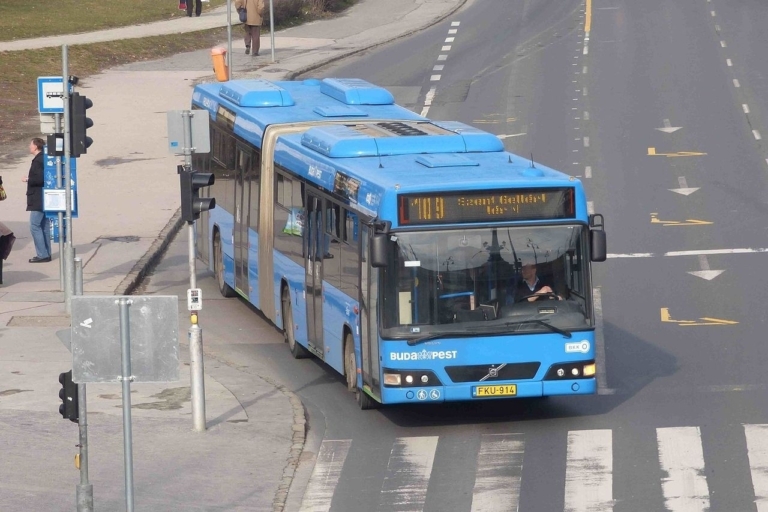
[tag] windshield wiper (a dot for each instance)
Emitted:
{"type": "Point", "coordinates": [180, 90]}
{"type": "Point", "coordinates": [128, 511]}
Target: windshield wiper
{"type": "Point", "coordinates": [438, 335]}
{"type": "Point", "coordinates": [541, 322]}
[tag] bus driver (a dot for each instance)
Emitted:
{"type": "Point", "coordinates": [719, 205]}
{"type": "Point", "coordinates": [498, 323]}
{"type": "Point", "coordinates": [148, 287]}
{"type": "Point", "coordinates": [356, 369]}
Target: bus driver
{"type": "Point", "coordinates": [532, 285]}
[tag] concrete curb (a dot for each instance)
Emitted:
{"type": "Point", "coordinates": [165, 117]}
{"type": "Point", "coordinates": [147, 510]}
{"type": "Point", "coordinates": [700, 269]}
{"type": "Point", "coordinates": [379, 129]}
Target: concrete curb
{"type": "Point", "coordinates": [292, 75]}
{"type": "Point", "coordinates": [152, 257]}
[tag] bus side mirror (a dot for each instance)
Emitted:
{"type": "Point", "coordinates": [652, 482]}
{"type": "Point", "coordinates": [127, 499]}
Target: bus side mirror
{"type": "Point", "coordinates": [597, 239]}
{"type": "Point", "coordinates": [379, 246]}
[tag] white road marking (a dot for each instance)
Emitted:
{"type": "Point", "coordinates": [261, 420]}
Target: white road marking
{"type": "Point", "coordinates": [685, 488]}
{"type": "Point", "coordinates": [445, 49]}
{"type": "Point", "coordinates": [584, 70]}
{"type": "Point", "coordinates": [408, 471]}
{"type": "Point", "coordinates": [438, 67]}
{"type": "Point", "coordinates": [586, 141]}
{"type": "Point", "coordinates": [511, 135]}
{"type": "Point", "coordinates": [434, 78]}
{"type": "Point", "coordinates": [745, 108]}
{"type": "Point", "coordinates": [442, 57]}
{"type": "Point", "coordinates": [424, 111]}
{"type": "Point", "coordinates": [689, 253]}
{"type": "Point", "coordinates": [455, 23]}
{"type": "Point", "coordinates": [590, 207]}
{"type": "Point", "coordinates": [499, 470]}
{"type": "Point", "coordinates": [452, 31]}
{"type": "Point", "coordinates": [713, 13]}
{"type": "Point", "coordinates": [757, 450]}
{"type": "Point", "coordinates": [430, 96]}
{"type": "Point", "coordinates": [588, 171]}
{"type": "Point", "coordinates": [756, 134]}
{"type": "Point", "coordinates": [584, 93]}
{"type": "Point", "coordinates": [589, 471]}
{"type": "Point", "coordinates": [684, 190]}
{"type": "Point", "coordinates": [706, 272]}
{"type": "Point", "coordinates": [450, 39]}
{"type": "Point", "coordinates": [729, 62]}
{"type": "Point", "coordinates": [736, 83]}
{"type": "Point", "coordinates": [723, 45]}
{"type": "Point", "coordinates": [668, 128]}
{"type": "Point", "coordinates": [586, 115]}
{"type": "Point", "coordinates": [325, 476]}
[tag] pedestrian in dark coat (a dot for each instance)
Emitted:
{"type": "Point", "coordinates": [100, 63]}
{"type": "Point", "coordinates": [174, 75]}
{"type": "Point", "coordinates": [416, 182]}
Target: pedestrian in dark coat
{"type": "Point", "coordinates": [38, 222]}
{"type": "Point", "coordinates": [252, 26]}
{"type": "Point", "coordinates": [198, 7]}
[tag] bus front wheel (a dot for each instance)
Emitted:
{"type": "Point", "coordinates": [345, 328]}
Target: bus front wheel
{"type": "Point", "coordinates": [218, 267]}
{"type": "Point", "coordinates": [297, 351]}
{"type": "Point", "coordinates": [350, 369]}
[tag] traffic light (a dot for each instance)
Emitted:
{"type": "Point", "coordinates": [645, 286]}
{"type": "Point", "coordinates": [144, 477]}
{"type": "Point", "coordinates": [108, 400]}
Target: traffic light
{"type": "Point", "coordinates": [192, 205]}
{"type": "Point", "coordinates": [78, 124]}
{"type": "Point", "coordinates": [69, 400]}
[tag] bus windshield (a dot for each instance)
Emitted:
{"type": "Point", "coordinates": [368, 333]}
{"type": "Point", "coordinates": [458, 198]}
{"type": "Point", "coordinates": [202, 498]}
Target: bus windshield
{"type": "Point", "coordinates": [504, 280]}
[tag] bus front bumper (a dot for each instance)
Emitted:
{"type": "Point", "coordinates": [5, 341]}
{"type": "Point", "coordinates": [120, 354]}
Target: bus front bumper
{"type": "Point", "coordinates": [468, 392]}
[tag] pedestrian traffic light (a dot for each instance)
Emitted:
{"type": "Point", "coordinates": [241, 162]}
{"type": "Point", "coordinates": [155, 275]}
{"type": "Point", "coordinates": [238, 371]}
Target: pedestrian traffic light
{"type": "Point", "coordinates": [78, 124]}
{"type": "Point", "coordinates": [69, 399]}
{"type": "Point", "coordinates": [192, 205]}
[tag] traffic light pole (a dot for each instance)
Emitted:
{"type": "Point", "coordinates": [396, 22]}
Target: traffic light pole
{"type": "Point", "coordinates": [196, 367]}
{"type": "Point", "coordinates": [68, 254]}
{"type": "Point", "coordinates": [85, 489]}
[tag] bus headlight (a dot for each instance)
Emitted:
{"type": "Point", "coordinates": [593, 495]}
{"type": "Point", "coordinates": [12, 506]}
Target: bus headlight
{"type": "Point", "coordinates": [391, 379]}
{"type": "Point", "coordinates": [589, 370]}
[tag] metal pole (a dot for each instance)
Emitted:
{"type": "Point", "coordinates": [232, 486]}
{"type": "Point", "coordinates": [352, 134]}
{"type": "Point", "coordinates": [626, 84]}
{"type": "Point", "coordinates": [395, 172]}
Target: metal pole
{"type": "Point", "coordinates": [78, 276]}
{"type": "Point", "coordinates": [125, 343]}
{"type": "Point", "coordinates": [67, 231]}
{"type": "Point", "coordinates": [57, 120]}
{"type": "Point", "coordinates": [229, 39]}
{"type": "Point", "coordinates": [85, 489]}
{"type": "Point", "coordinates": [196, 368]}
{"type": "Point", "coordinates": [272, 28]}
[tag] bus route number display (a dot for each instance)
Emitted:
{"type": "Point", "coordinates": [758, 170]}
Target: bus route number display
{"type": "Point", "coordinates": [486, 206]}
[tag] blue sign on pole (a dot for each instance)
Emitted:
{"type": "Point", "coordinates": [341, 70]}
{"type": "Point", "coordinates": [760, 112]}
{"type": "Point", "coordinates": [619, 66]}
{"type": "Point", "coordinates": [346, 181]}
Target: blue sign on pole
{"type": "Point", "coordinates": [50, 94]}
{"type": "Point", "coordinates": [54, 198]}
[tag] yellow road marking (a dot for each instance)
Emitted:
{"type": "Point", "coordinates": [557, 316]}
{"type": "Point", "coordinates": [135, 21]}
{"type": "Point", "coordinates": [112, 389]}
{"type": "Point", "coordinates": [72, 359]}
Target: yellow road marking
{"type": "Point", "coordinates": [588, 22]}
{"type": "Point", "coordinates": [687, 222]}
{"type": "Point", "coordinates": [652, 152]}
{"type": "Point", "coordinates": [665, 317]}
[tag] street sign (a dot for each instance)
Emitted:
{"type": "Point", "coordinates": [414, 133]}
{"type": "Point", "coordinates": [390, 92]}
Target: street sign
{"type": "Point", "coordinates": [54, 197]}
{"type": "Point", "coordinates": [50, 95]}
{"type": "Point", "coordinates": [153, 332]}
{"type": "Point", "coordinates": [194, 299]}
{"type": "Point", "coordinates": [201, 137]}
{"type": "Point", "coordinates": [48, 124]}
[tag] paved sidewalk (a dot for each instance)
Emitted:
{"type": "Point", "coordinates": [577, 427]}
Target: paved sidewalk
{"type": "Point", "coordinates": [128, 214]}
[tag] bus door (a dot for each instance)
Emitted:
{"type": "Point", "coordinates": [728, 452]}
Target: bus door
{"type": "Point", "coordinates": [314, 251]}
{"type": "Point", "coordinates": [242, 212]}
{"type": "Point", "coordinates": [369, 340]}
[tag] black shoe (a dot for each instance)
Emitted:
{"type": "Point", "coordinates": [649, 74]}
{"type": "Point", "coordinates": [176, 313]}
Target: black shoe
{"type": "Point", "coordinates": [247, 50]}
{"type": "Point", "coordinates": [39, 260]}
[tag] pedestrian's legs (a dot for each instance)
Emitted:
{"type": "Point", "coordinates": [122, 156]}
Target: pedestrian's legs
{"type": "Point", "coordinates": [189, 7]}
{"type": "Point", "coordinates": [47, 233]}
{"type": "Point", "coordinates": [256, 36]}
{"type": "Point", "coordinates": [198, 7]}
{"type": "Point", "coordinates": [247, 38]}
{"type": "Point", "coordinates": [37, 225]}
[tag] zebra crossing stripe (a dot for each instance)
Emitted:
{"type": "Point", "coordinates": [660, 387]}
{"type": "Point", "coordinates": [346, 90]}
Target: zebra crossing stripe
{"type": "Point", "coordinates": [325, 476]}
{"type": "Point", "coordinates": [408, 472]}
{"type": "Point", "coordinates": [499, 470]}
{"type": "Point", "coordinates": [685, 487]}
{"type": "Point", "coordinates": [589, 471]}
{"type": "Point", "coordinates": [757, 450]}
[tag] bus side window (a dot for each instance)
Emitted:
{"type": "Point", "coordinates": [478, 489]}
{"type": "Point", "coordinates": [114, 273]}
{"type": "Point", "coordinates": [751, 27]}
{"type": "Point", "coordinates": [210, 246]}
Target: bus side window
{"type": "Point", "coordinates": [350, 259]}
{"type": "Point", "coordinates": [289, 218]}
{"type": "Point", "coordinates": [332, 244]}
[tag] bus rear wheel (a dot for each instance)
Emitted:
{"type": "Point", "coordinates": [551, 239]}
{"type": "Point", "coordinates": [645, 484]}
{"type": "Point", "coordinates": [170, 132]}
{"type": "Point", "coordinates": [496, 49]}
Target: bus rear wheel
{"type": "Point", "coordinates": [297, 351]}
{"type": "Point", "coordinates": [364, 401]}
{"type": "Point", "coordinates": [218, 267]}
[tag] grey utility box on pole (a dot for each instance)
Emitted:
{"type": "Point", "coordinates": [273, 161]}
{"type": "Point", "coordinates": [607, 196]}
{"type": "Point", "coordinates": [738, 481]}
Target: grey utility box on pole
{"type": "Point", "coordinates": [154, 327]}
{"type": "Point", "coordinates": [201, 137]}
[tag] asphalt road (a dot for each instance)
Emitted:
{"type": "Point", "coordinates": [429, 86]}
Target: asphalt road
{"type": "Point", "coordinates": [679, 421]}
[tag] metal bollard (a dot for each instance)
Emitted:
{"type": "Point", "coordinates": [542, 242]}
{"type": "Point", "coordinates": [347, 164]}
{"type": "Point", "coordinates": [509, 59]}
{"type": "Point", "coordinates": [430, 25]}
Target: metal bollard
{"type": "Point", "coordinates": [78, 276]}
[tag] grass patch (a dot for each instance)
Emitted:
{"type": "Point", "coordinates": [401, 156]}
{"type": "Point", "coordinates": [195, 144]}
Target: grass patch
{"type": "Point", "coordinates": [19, 119]}
{"type": "Point", "coordinates": [18, 90]}
{"type": "Point", "coordinates": [22, 19]}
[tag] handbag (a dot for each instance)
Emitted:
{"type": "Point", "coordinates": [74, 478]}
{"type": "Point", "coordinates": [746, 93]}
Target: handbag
{"type": "Point", "coordinates": [3, 195]}
{"type": "Point", "coordinates": [243, 14]}
{"type": "Point", "coordinates": [182, 5]}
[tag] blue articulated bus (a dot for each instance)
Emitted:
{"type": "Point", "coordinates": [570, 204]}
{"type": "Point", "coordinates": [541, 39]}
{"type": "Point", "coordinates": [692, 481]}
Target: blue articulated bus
{"type": "Point", "coordinates": [415, 257]}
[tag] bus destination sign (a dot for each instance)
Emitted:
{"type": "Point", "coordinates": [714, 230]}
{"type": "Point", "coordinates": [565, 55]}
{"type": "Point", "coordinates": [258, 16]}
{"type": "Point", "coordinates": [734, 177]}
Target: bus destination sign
{"type": "Point", "coordinates": [486, 206]}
